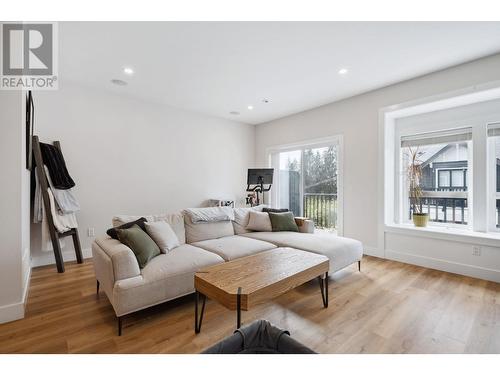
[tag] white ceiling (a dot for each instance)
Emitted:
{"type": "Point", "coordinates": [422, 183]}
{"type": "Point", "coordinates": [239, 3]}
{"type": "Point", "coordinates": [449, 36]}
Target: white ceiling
{"type": "Point", "coordinates": [215, 67]}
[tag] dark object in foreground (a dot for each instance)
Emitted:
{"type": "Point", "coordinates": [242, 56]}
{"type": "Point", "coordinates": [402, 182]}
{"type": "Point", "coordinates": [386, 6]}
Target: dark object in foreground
{"type": "Point", "coordinates": [259, 337]}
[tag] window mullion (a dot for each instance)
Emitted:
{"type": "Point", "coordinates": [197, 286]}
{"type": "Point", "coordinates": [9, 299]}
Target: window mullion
{"type": "Point", "coordinates": [479, 173]}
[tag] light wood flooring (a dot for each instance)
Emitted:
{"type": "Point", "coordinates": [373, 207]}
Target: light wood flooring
{"type": "Point", "coordinates": [388, 307]}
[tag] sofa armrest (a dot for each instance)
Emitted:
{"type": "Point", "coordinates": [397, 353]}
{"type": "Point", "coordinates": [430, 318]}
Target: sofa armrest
{"type": "Point", "coordinates": [305, 225]}
{"type": "Point", "coordinates": [123, 260]}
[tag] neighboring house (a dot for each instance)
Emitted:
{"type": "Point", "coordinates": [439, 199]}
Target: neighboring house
{"type": "Point", "coordinates": [444, 168]}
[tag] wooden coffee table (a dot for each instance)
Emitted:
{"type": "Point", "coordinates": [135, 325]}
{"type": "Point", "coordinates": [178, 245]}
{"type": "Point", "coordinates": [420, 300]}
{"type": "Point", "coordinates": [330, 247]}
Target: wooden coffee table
{"type": "Point", "coordinates": [245, 282]}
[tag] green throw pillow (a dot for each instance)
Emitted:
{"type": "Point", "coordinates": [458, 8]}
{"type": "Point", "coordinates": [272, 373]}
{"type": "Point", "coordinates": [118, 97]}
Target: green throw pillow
{"type": "Point", "coordinates": [140, 243]}
{"type": "Point", "coordinates": [283, 222]}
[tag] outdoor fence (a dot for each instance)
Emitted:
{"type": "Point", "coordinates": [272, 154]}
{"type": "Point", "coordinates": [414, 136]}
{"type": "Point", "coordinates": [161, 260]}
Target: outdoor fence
{"type": "Point", "coordinates": [445, 206]}
{"type": "Point", "coordinates": [322, 209]}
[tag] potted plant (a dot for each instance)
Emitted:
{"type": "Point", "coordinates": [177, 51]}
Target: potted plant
{"type": "Point", "coordinates": [414, 177]}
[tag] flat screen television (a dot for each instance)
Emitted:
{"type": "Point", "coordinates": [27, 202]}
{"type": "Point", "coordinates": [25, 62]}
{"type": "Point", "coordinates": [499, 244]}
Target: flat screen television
{"type": "Point", "coordinates": [260, 176]}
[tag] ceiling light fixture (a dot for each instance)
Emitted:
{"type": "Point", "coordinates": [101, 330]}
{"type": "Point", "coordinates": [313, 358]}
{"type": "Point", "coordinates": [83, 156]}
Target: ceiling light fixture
{"type": "Point", "coordinates": [119, 82]}
{"type": "Point", "coordinates": [128, 71]}
{"type": "Point", "coordinates": [343, 71]}
{"type": "Point", "coordinates": [250, 107]}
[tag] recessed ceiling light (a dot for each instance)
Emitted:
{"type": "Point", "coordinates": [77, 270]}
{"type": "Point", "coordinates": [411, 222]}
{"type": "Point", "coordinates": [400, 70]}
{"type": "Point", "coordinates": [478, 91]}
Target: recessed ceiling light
{"type": "Point", "coordinates": [234, 113]}
{"type": "Point", "coordinates": [128, 71]}
{"type": "Point", "coordinates": [118, 82]}
{"type": "Point", "coordinates": [343, 71]}
{"type": "Point", "coordinates": [250, 107]}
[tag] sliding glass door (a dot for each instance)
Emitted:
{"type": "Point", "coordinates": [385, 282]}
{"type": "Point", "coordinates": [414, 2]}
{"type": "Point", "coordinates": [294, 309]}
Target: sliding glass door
{"type": "Point", "coordinates": [290, 181]}
{"type": "Point", "coordinates": [307, 182]}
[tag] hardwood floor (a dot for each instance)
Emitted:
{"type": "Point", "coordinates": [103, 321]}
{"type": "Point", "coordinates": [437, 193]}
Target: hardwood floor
{"type": "Point", "coordinates": [388, 307]}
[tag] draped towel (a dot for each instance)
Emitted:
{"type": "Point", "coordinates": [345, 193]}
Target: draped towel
{"type": "Point", "coordinates": [54, 160]}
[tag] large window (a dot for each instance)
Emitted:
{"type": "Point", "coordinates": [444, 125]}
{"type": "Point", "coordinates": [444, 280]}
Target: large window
{"type": "Point", "coordinates": [457, 151]}
{"type": "Point", "coordinates": [443, 158]}
{"type": "Point", "coordinates": [307, 181]}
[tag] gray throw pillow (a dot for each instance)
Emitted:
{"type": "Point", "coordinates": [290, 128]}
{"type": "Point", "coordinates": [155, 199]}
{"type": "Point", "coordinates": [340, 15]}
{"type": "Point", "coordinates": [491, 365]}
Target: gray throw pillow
{"type": "Point", "coordinates": [162, 233]}
{"type": "Point", "coordinates": [143, 247]}
{"type": "Point", "coordinates": [282, 222]}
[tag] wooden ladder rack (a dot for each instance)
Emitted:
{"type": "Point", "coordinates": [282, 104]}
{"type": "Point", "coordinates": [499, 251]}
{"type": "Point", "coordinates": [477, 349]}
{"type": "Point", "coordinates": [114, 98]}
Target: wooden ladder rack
{"type": "Point", "coordinates": [54, 234]}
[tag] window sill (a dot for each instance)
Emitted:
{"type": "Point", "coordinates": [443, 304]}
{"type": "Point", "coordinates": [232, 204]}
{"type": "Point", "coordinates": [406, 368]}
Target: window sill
{"type": "Point", "coordinates": [448, 234]}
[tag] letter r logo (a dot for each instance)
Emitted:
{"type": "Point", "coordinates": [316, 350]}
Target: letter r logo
{"type": "Point", "coordinates": [27, 49]}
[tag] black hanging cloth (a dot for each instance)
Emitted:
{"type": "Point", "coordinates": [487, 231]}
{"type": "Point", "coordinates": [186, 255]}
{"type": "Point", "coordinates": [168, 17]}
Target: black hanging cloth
{"type": "Point", "coordinates": [54, 160]}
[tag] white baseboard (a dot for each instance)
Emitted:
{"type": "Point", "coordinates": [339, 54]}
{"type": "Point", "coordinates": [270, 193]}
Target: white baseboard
{"type": "Point", "coordinates": [445, 265]}
{"type": "Point", "coordinates": [373, 251]}
{"type": "Point", "coordinates": [68, 256]}
{"type": "Point", "coordinates": [16, 310]}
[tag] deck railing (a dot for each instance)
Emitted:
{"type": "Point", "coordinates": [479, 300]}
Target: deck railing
{"type": "Point", "coordinates": [322, 209]}
{"type": "Point", "coordinates": [445, 206]}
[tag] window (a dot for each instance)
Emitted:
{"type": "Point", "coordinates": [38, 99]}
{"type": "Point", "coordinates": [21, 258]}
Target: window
{"type": "Point", "coordinates": [452, 178]}
{"type": "Point", "coordinates": [443, 161]}
{"type": "Point", "coordinates": [307, 181]}
{"type": "Point", "coordinates": [457, 140]}
{"type": "Point", "coordinates": [444, 179]}
{"type": "Point", "coordinates": [458, 178]}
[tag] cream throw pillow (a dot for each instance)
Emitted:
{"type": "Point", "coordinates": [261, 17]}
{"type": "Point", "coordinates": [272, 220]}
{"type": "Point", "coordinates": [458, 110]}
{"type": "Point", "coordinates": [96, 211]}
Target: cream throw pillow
{"type": "Point", "coordinates": [259, 222]}
{"type": "Point", "coordinates": [162, 233]}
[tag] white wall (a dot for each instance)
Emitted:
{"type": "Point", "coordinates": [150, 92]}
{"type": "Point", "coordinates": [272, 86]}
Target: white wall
{"type": "Point", "coordinates": [132, 157]}
{"type": "Point", "coordinates": [14, 208]}
{"type": "Point", "coordinates": [357, 118]}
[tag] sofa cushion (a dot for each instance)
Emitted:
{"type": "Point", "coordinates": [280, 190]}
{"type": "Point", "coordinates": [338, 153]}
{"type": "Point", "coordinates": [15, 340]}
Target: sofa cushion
{"type": "Point", "coordinates": [259, 221]}
{"type": "Point", "coordinates": [241, 217]}
{"type": "Point", "coordinates": [140, 243]}
{"type": "Point", "coordinates": [275, 210]}
{"type": "Point", "coordinates": [234, 247]}
{"type": "Point", "coordinates": [341, 251]}
{"type": "Point", "coordinates": [162, 233]}
{"type": "Point", "coordinates": [140, 222]}
{"type": "Point", "coordinates": [209, 214]}
{"type": "Point", "coordinates": [202, 231]}
{"type": "Point", "coordinates": [165, 277]}
{"type": "Point", "coordinates": [283, 222]}
{"type": "Point", "coordinates": [176, 221]}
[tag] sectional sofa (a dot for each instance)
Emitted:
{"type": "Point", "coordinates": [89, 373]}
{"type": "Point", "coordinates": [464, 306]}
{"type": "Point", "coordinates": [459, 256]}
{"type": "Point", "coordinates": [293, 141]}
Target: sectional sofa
{"type": "Point", "coordinates": [171, 275]}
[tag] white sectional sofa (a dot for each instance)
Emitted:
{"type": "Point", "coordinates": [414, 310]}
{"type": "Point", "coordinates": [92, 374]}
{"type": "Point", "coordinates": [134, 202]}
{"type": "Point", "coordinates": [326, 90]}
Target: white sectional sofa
{"type": "Point", "coordinates": [171, 275]}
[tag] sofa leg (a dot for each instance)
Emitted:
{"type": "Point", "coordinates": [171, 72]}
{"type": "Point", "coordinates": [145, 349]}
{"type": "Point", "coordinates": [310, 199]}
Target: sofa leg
{"type": "Point", "coordinates": [97, 287]}
{"type": "Point", "coordinates": [359, 265]}
{"type": "Point", "coordinates": [119, 326]}
{"type": "Point", "coordinates": [323, 285]}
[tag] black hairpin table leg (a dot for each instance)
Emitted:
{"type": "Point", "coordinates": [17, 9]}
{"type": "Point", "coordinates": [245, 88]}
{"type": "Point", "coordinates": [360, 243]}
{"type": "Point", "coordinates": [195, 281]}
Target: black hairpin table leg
{"type": "Point", "coordinates": [198, 319]}
{"type": "Point", "coordinates": [238, 309]}
{"type": "Point", "coordinates": [323, 284]}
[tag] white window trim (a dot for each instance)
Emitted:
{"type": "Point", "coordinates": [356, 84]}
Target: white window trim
{"type": "Point", "coordinates": [492, 194]}
{"type": "Point", "coordinates": [386, 162]}
{"type": "Point", "coordinates": [402, 205]}
{"type": "Point", "coordinates": [338, 141]}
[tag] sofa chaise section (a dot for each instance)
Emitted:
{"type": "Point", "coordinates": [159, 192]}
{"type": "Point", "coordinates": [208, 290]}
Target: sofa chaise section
{"type": "Point", "coordinates": [341, 251]}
